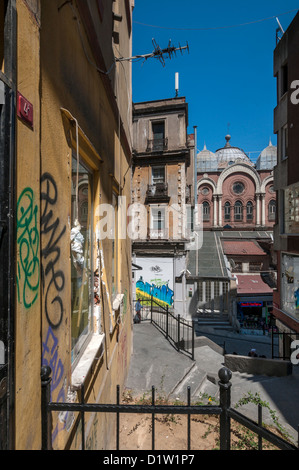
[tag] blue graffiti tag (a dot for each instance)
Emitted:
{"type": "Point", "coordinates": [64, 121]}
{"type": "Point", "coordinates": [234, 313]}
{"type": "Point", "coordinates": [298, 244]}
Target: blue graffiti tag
{"type": "Point", "coordinates": [163, 293]}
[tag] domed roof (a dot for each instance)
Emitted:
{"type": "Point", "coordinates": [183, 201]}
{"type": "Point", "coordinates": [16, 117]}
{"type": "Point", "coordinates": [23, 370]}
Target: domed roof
{"type": "Point", "coordinates": [206, 160]}
{"type": "Point", "coordinates": [267, 158]}
{"type": "Point", "coordinates": [228, 154]}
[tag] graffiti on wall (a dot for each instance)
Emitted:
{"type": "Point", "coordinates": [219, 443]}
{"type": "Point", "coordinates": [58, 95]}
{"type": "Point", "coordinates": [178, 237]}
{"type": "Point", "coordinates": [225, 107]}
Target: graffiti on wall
{"type": "Point", "coordinates": [162, 293]}
{"type": "Point", "coordinates": [53, 279]}
{"type": "Point", "coordinates": [28, 273]}
{"type": "Point", "coordinates": [50, 357]}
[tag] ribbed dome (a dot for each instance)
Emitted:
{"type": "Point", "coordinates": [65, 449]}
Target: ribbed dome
{"type": "Point", "coordinates": [206, 160]}
{"type": "Point", "coordinates": [229, 154]}
{"type": "Point", "coordinates": [267, 158]}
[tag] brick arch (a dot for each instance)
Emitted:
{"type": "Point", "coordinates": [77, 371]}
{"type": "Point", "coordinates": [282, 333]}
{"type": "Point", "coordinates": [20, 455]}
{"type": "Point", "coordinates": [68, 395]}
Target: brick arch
{"type": "Point", "coordinates": [207, 181]}
{"type": "Point", "coordinates": [265, 182]}
{"type": "Point", "coordinates": [240, 168]}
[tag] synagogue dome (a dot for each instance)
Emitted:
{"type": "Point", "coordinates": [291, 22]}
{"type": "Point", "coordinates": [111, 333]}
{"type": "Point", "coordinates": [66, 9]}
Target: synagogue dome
{"type": "Point", "coordinates": [206, 160]}
{"type": "Point", "coordinates": [267, 158]}
{"type": "Point", "coordinates": [228, 155]}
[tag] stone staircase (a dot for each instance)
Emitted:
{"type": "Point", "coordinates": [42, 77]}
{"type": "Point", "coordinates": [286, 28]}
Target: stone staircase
{"type": "Point", "coordinates": [215, 320]}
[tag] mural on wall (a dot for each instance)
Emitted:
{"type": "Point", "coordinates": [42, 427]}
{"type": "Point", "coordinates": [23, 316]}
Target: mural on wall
{"type": "Point", "coordinates": [156, 280]}
{"type": "Point", "coordinates": [28, 272]}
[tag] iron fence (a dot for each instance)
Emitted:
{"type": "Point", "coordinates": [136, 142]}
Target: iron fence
{"type": "Point", "coordinates": [285, 340]}
{"type": "Point", "coordinates": [178, 331]}
{"type": "Point", "coordinates": [223, 410]}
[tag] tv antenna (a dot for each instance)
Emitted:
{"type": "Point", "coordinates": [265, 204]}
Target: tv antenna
{"type": "Point", "coordinates": [158, 53]}
{"type": "Point", "coordinates": [279, 31]}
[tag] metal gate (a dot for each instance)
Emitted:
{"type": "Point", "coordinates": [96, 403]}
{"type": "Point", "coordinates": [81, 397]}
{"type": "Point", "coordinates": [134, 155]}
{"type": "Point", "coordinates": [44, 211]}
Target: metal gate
{"type": "Point", "coordinates": [7, 217]}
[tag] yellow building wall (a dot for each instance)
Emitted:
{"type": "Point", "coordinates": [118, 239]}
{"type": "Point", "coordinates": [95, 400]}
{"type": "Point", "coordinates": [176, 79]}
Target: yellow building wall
{"type": "Point", "coordinates": [55, 75]}
{"type": "Point", "coordinates": [28, 299]}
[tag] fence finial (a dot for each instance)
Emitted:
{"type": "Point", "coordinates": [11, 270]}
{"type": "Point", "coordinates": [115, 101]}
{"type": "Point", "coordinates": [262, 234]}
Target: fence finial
{"type": "Point", "coordinates": [45, 373]}
{"type": "Point", "coordinates": [224, 375]}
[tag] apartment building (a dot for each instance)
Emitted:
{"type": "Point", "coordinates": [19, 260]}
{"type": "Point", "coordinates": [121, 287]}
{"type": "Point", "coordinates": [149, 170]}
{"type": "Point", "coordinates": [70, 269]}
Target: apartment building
{"type": "Point", "coordinates": [65, 151]}
{"type": "Point", "coordinates": [161, 193]}
{"type": "Point", "coordinates": [286, 181]}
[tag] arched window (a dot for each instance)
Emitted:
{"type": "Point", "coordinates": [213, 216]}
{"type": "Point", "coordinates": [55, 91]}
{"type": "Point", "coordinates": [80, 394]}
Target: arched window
{"type": "Point", "coordinates": [249, 211]}
{"type": "Point", "coordinates": [206, 210]}
{"type": "Point", "coordinates": [227, 211]}
{"type": "Point", "coordinates": [238, 211]}
{"type": "Point", "coordinates": [271, 210]}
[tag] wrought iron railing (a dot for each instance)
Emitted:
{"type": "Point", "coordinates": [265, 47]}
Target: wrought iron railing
{"type": "Point", "coordinates": [224, 410]}
{"type": "Point", "coordinates": [156, 145]}
{"type": "Point", "coordinates": [177, 330]}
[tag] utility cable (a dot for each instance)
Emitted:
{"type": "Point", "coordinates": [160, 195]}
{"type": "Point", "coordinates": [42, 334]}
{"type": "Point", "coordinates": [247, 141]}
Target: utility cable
{"type": "Point", "coordinates": [213, 28]}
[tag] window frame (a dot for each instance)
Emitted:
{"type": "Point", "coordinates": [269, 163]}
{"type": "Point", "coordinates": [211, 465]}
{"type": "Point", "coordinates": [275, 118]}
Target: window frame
{"type": "Point", "coordinates": [272, 213]}
{"type": "Point", "coordinates": [249, 214]}
{"type": "Point", "coordinates": [206, 214]}
{"type": "Point", "coordinates": [159, 179]}
{"type": "Point", "coordinates": [227, 211]}
{"type": "Point", "coordinates": [84, 339]}
{"type": "Point", "coordinates": [115, 247]}
{"type": "Point", "coordinates": [238, 204]}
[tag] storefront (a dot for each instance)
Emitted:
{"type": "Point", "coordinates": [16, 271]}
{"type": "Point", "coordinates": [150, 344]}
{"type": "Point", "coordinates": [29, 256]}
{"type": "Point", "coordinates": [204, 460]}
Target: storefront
{"type": "Point", "coordinates": [255, 317]}
{"type": "Point", "coordinates": [254, 305]}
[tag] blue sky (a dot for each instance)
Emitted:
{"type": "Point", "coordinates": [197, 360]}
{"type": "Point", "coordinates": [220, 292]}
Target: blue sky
{"type": "Point", "coordinates": [227, 76]}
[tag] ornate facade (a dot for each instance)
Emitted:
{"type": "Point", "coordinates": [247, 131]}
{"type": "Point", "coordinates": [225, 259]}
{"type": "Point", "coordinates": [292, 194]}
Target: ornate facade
{"type": "Point", "coordinates": [234, 192]}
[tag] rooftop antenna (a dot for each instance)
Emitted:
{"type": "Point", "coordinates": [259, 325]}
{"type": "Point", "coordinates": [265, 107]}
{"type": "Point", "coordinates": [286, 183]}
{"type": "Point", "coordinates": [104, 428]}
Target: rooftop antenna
{"type": "Point", "coordinates": [176, 84]}
{"type": "Point", "coordinates": [157, 53]}
{"type": "Point", "coordinates": [279, 30]}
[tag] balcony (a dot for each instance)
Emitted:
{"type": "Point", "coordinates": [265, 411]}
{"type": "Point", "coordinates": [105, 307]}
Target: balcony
{"type": "Point", "coordinates": [157, 145]}
{"type": "Point", "coordinates": [158, 234]}
{"type": "Point", "coordinates": [157, 192]}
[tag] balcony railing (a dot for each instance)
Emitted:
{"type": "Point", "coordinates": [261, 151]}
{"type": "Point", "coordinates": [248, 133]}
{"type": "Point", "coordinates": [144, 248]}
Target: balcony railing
{"type": "Point", "coordinates": [158, 190]}
{"type": "Point", "coordinates": [158, 234]}
{"type": "Point", "coordinates": [157, 145]}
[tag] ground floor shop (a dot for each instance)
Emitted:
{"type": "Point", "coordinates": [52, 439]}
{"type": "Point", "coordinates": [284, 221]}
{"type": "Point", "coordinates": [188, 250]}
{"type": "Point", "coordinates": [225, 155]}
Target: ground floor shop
{"type": "Point", "coordinates": [254, 304]}
{"type": "Point", "coordinates": [255, 316]}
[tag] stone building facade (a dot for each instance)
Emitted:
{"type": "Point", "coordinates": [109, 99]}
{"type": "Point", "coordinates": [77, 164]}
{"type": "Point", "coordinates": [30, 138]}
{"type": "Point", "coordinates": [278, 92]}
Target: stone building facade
{"type": "Point", "coordinates": [235, 267]}
{"type": "Point", "coordinates": [286, 173]}
{"type": "Point", "coordinates": [234, 192]}
{"type": "Point", "coordinates": [161, 189]}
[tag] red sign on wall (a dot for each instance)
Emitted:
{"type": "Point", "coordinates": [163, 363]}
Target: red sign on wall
{"type": "Point", "coordinates": [24, 109]}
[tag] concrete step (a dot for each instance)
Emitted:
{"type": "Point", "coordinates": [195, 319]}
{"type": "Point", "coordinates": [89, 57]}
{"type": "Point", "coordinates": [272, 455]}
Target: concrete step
{"type": "Point", "coordinates": [194, 379]}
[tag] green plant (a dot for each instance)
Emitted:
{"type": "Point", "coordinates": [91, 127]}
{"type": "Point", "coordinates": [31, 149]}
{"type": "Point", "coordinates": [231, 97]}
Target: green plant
{"type": "Point", "coordinates": [256, 399]}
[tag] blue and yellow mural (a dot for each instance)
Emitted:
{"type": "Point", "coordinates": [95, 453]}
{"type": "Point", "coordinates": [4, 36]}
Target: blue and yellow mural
{"type": "Point", "coordinates": [162, 294]}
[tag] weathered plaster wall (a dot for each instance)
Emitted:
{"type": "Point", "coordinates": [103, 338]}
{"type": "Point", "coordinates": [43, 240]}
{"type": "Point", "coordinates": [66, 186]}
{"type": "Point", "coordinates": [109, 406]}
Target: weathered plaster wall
{"type": "Point", "coordinates": [28, 298]}
{"type": "Point", "coordinates": [54, 74]}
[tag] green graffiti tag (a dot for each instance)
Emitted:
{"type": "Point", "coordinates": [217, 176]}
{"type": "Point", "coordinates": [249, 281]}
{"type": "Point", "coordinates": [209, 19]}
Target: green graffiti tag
{"type": "Point", "coordinates": [28, 272]}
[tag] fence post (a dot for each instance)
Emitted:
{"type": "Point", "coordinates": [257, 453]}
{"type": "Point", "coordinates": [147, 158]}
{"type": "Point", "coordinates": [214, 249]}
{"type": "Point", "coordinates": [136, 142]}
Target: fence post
{"type": "Point", "coordinates": [193, 334]}
{"type": "Point", "coordinates": [151, 309]}
{"type": "Point", "coordinates": [179, 318]}
{"type": "Point", "coordinates": [46, 415]}
{"type": "Point", "coordinates": [167, 322]}
{"type": "Point", "coordinates": [224, 375]}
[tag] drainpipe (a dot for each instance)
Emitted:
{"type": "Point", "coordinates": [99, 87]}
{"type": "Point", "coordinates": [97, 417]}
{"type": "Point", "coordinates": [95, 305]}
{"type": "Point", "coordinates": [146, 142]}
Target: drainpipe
{"type": "Point", "coordinates": [195, 194]}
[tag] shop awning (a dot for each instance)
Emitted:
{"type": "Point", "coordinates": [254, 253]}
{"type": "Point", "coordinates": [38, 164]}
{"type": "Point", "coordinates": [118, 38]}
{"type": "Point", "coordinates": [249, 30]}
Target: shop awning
{"type": "Point", "coordinates": [250, 284]}
{"type": "Point", "coordinates": [240, 248]}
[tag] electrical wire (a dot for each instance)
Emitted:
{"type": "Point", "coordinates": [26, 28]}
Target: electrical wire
{"type": "Point", "coordinates": [213, 28]}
